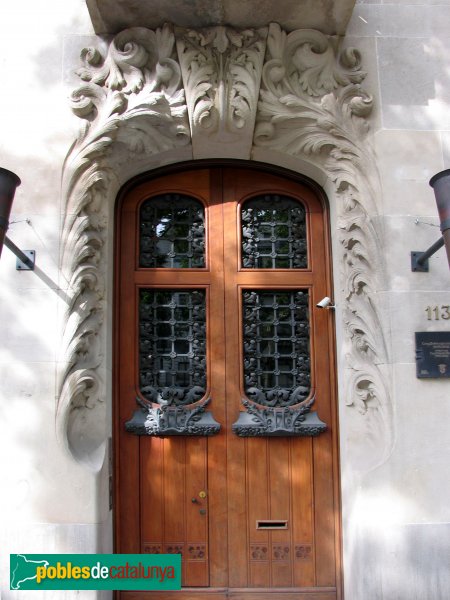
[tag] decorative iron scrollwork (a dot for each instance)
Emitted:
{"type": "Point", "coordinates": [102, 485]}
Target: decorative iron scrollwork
{"type": "Point", "coordinates": [276, 422]}
{"type": "Point", "coordinates": [172, 364]}
{"type": "Point", "coordinates": [273, 233]}
{"type": "Point", "coordinates": [172, 232]}
{"type": "Point", "coordinates": [276, 346]}
{"type": "Point", "coordinates": [172, 420]}
{"type": "Point", "coordinates": [172, 345]}
{"type": "Point", "coordinates": [277, 369]}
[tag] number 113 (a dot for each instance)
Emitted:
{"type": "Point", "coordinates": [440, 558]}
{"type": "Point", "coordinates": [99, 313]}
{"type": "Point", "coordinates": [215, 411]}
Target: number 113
{"type": "Point", "coordinates": [438, 312]}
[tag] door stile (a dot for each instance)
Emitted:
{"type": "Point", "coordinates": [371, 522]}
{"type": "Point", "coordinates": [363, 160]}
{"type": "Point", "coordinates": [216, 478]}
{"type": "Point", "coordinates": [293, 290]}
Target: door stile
{"type": "Point", "coordinates": [326, 449]}
{"type": "Point", "coordinates": [302, 512]}
{"type": "Point", "coordinates": [324, 446]}
{"type": "Point", "coordinates": [236, 449]}
{"type": "Point", "coordinates": [127, 532]}
{"type": "Point", "coordinates": [217, 445]}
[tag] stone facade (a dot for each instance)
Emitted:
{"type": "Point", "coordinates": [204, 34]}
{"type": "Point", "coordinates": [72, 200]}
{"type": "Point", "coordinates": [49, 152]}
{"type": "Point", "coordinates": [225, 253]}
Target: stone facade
{"type": "Point", "coordinates": [364, 116]}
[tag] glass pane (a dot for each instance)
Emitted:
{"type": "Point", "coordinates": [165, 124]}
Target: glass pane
{"type": "Point", "coordinates": [172, 353]}
{"type": "Point", "coordinates": [277, 370]}
{"type": "Point", "coordinates": [273, 233]}
{"type": "Point", "coordinates": [172, 232]}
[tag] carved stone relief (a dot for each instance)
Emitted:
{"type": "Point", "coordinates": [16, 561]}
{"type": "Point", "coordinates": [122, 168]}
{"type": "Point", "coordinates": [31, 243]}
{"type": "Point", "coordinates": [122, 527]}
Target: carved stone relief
{"type": "Point", "coordinates": [132, 103]}
{"type": "Point", "coordinates": [221, 72]}
{"type": "Point", "coordinates": [308, 104]}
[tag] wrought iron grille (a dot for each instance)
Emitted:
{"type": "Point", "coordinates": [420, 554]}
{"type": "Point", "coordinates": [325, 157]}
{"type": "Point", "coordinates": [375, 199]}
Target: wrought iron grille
{"type": "Point", "coordinates": [273, 233]}
{"type": "Point", "coordinates": [172, 345]}
{"type": "Point", "coordinates": [277, 369]}
{"type": "Point", "coordinates": [172, 232]}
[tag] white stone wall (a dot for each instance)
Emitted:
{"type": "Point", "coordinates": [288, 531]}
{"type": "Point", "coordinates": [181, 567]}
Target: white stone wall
{"type": "Point", "coordinates": [396, 517]}
{"type": "Point", "coordinates": [48, 503]}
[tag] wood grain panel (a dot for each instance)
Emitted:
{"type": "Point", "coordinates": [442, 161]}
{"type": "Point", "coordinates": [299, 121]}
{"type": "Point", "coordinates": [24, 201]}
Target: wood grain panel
{"type": "Point", "coordinates": [258, 509]}
{"type": "Point", "coordinates": [302, 512]}
{"type": "Point", "coordinates": [152, 492]}
{"type": "Point", "coordinates": [224, 555]}
{"type": "Point", "coordinates": [197, 572]}
{"type": "Point", "coordinates": [280, 509]}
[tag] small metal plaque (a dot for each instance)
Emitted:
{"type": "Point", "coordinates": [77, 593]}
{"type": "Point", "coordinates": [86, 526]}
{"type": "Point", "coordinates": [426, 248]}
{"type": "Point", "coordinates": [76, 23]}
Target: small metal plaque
{"type": "Point", "coordinates": [433, 354]}
{"type": "Point", "coordinates": [25, 262]}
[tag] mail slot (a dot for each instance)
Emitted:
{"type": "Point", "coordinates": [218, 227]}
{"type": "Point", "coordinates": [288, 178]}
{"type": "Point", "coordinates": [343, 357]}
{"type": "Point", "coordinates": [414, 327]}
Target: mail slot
{"type": "Point", "coordinates": [271, 524]}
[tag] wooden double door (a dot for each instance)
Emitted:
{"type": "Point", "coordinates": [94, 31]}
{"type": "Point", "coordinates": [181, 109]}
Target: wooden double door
{"type": "Point", "coordinates": [255, 515]}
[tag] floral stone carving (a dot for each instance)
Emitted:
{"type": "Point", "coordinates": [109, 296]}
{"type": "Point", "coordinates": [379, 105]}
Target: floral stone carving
{"type": "Point", "coordinates": [309, 103]}
{"type": "Point", "coordinates": [221, 73]}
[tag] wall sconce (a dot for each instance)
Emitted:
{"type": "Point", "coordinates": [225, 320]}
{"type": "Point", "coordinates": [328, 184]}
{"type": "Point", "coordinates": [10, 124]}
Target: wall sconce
{"type": "Point", "coordinates": [441, 186]}
{"type": "Point", "coordinates": [9, 181]}
{"type": "Point", "coordinates": [8, 184]}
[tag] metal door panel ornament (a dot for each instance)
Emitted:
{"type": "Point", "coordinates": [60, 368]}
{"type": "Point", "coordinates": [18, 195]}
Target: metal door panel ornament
{"type": "Point", "coordinates": [277, 422]}
{"type": "Point", "coordinates": [273, 233]}
{"type": "Point", "coordinates": [172, 420]}
{"type": "Point", "coordinates": [172, 359]}
{"type": "Point", "coordinates": [172, 232]}
{"type": "Point", "coordinates": [277, 366]}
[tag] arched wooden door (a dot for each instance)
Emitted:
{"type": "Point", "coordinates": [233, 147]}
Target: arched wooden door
{"type": "Point", "coordinates": [225, 409]}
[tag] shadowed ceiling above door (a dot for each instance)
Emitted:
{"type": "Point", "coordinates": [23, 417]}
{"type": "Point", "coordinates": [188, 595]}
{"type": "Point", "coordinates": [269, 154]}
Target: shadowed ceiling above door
{"type": "Point", "coordinates": [328, 16]}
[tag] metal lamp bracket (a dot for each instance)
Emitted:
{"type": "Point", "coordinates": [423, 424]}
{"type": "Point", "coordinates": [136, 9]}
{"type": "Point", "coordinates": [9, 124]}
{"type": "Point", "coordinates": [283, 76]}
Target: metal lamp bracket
{"type": "Point", "coordinates": [25, 258]}
{"type": "Point", "coordinates": [29, 264]}
{"type": "Point", "coordinates": [419, 260]}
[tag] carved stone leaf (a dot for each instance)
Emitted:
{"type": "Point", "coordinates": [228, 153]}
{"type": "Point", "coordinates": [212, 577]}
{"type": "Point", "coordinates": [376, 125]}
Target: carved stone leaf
{"type": "Point", "coordinates": [310, 61]}
{"type": "Point", "coordinates": [137, 57]}
{"type": "Point", "coordinates": [221, 72]}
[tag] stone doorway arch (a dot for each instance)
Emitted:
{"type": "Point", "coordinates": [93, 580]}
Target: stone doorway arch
{"type": "Point", "coordinates": [157, 97]}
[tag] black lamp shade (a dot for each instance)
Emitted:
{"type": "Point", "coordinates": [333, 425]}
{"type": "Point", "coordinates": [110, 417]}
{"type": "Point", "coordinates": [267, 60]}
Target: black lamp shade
{"type": "Point", "coordinates": [441, 186]}
{"type": "Point", "coordinates": [8, 184]}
